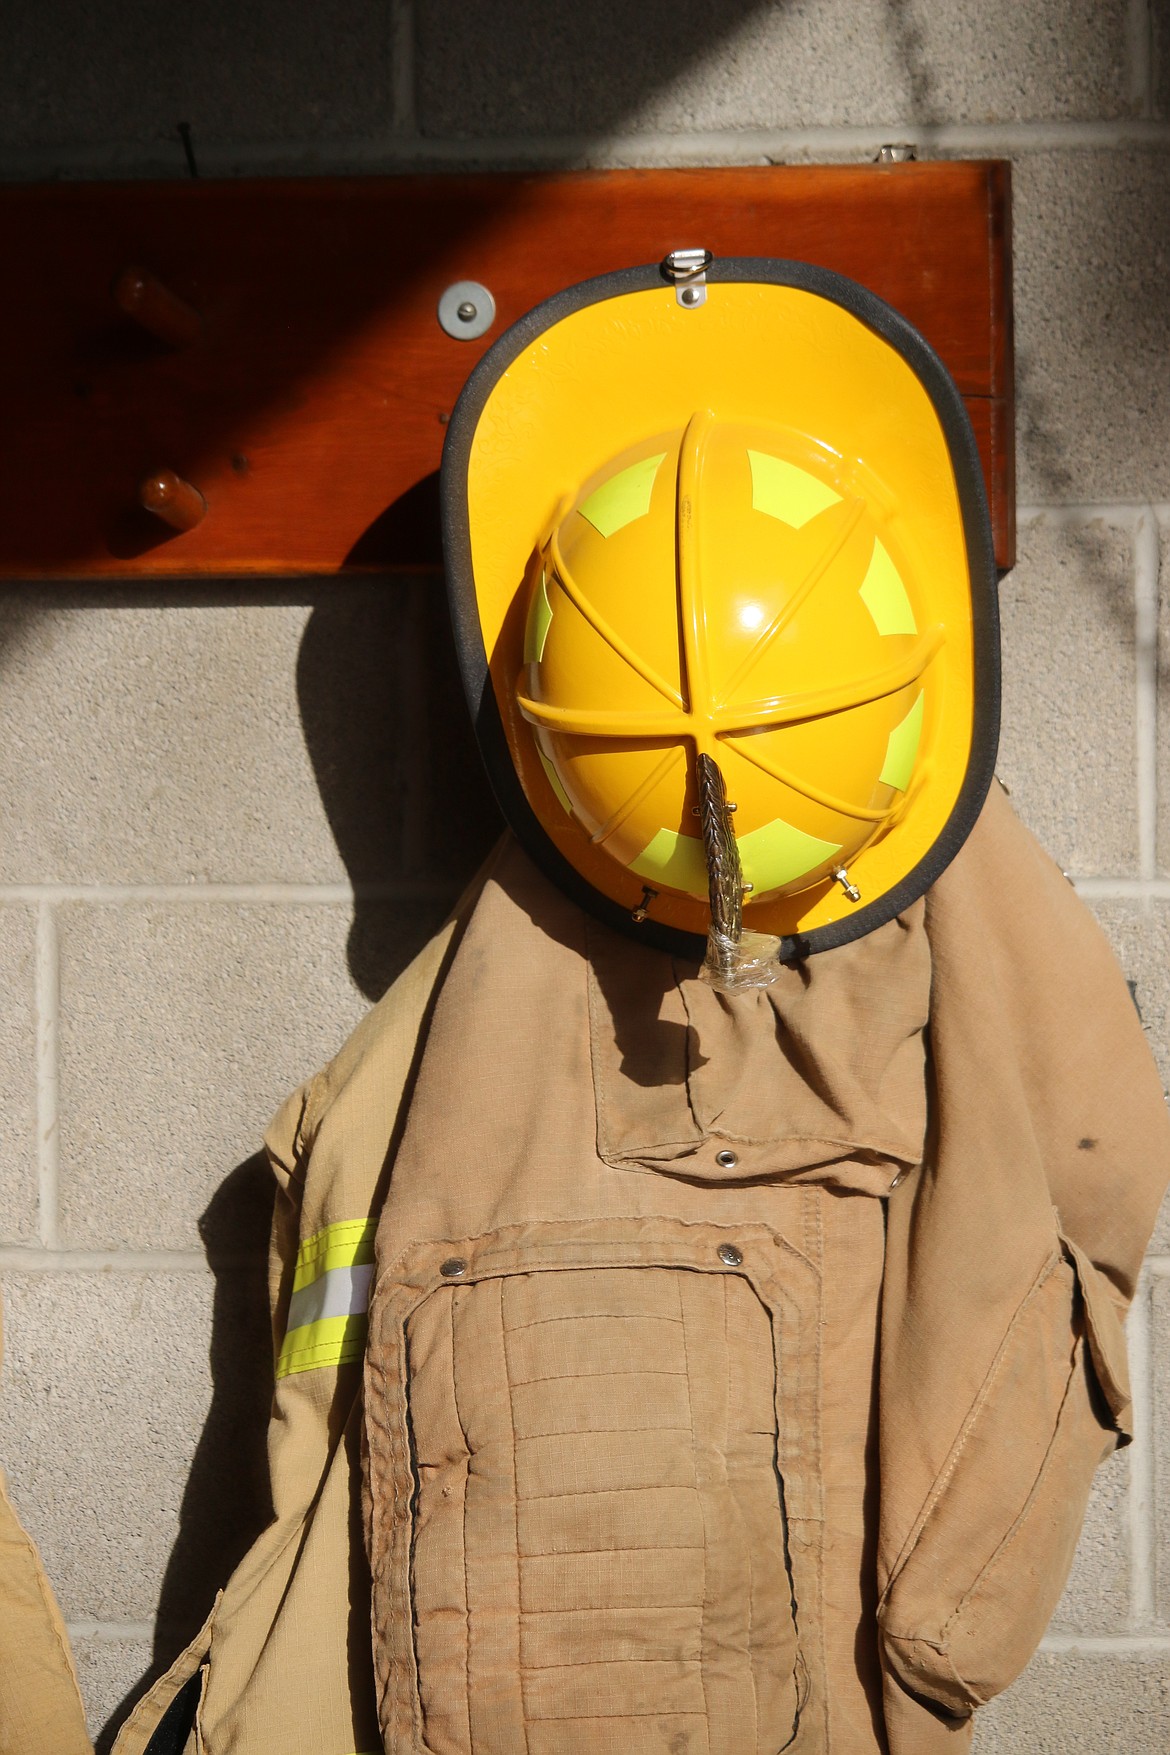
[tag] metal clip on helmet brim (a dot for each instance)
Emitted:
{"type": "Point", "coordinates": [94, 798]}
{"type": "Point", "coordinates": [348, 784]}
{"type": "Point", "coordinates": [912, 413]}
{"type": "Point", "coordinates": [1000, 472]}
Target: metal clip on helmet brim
{"type": "Point", "coordinates": [687, 269]}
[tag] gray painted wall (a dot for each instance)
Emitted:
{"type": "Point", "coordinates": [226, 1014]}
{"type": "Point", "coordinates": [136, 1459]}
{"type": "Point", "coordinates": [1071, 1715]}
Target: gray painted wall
{"type": "Point", "coordinates": [230, 816]}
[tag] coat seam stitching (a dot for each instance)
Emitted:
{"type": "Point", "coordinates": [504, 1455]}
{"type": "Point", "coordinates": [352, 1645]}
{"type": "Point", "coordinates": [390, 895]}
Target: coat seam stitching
{"type": "Point", "coordinates": [1021, 1520]}
{"type": "Point", "coordinates": [703, 1607]}
{"type": "Point", "coordinates": [976, 1408]}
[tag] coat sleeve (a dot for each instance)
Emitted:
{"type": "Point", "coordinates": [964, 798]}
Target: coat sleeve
{"type": "Point", "coordinates": [1012, 1255]}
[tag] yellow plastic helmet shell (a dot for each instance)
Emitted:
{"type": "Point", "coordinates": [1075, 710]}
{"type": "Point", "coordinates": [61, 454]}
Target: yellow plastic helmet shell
{"type": "Point", "coordinates": [752, 528]}
{"type": "Point", "coordinates": [714, 592]}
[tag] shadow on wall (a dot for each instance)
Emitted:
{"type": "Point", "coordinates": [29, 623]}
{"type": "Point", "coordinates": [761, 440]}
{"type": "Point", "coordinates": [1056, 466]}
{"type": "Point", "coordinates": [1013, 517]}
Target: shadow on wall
{"type": "Point", "coordinates": [909, 42]}
{"type": "Point", "coordinates": [400, 777]}
{"type": "Point", "coordinates": [1091, 355]}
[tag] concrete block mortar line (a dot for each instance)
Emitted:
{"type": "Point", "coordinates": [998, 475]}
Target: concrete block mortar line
{"type": "Point", "coordinates": [1120, 889]}
{"type": "Point", "coordinates": [129, 894]}
{"type": "Point", "coordinates": [47, 1004]}
{"type": "Point", "coordinates": [1139, 53]}
{"type": "Point", "coordinates": [19, 1258]}
{"type": "Point", "coordinates": [1067, 514]}
{"type": "Point", "coordinates": [110, 1632]}
{"type": "Point", "coordinates": [403, 107]}
{"type": "Point", "coordinates": [1105, 1644]}
{"type": "Point", "coordinates": [1147, 563]}
{"type": "Point", "coordinates": [403, 152]}
{"type": "Point", "coordinates": [1141, 1531]}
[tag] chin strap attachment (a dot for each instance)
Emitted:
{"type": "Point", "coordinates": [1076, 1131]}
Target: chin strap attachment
{"type": "Point", "coordinates": [735, 958]}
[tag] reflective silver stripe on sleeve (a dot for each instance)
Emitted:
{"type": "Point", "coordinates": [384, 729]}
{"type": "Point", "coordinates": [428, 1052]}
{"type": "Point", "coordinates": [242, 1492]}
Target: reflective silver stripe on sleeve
{"type": "Point", "coordinates": [343, 1291]}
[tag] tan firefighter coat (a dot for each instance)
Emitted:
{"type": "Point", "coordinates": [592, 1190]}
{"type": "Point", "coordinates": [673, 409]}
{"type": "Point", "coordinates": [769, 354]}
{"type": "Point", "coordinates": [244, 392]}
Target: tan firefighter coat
{"type": "Point", "coordinates": [40, 1707]}
{"type": "Point", "coordinates": [736, 1366]}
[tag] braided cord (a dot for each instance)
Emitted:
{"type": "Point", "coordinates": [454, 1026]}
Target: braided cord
{"type": "Point", "coordinates": [724, 871]}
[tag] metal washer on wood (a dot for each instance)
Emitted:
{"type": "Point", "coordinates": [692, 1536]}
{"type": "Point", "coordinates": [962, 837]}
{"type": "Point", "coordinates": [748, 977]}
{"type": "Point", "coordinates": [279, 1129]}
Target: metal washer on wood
{"type": "Point", "coordinates": [467, 310]}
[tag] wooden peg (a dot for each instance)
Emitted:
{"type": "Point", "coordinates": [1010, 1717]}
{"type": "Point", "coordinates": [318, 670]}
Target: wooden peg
{"type": "Point", "coordinates": [160, 311]}
{"type": "Point", "coordinates": [172, 499]}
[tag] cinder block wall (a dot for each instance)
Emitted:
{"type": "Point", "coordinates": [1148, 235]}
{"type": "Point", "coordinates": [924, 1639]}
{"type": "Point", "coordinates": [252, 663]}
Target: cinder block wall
{"type": "Point", "coordinates": [230, 815]}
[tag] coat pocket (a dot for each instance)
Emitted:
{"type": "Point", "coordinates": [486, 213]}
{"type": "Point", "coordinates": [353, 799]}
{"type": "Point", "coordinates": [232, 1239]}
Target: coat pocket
{"type": "Point", "coordinates": [575, 1513]}
{"type": "Point", "coordinates": [971, 1599]}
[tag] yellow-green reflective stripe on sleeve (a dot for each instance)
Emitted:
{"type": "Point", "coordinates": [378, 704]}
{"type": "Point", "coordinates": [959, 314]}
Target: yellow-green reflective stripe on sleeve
{"type": "Point", "coordinates": [331, 1291]}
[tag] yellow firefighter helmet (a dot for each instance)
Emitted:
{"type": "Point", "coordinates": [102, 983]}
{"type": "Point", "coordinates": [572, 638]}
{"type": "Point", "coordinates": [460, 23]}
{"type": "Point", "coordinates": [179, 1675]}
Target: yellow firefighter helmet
{"type": "Point", "coordinates": [723, 588]}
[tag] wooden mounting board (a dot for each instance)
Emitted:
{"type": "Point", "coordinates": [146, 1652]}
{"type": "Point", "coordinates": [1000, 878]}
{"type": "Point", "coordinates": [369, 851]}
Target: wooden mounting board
{"type": "Point", "coordinates": [309, 409]}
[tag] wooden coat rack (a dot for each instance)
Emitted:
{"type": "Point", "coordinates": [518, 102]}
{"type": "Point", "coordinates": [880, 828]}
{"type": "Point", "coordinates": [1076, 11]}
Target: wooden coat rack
{"type": "Point", "coordinates": [239, 378]}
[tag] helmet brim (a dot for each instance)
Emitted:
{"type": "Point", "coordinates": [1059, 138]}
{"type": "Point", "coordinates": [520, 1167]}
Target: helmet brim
{"type": "Point", "coordinates": [546, 405]}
